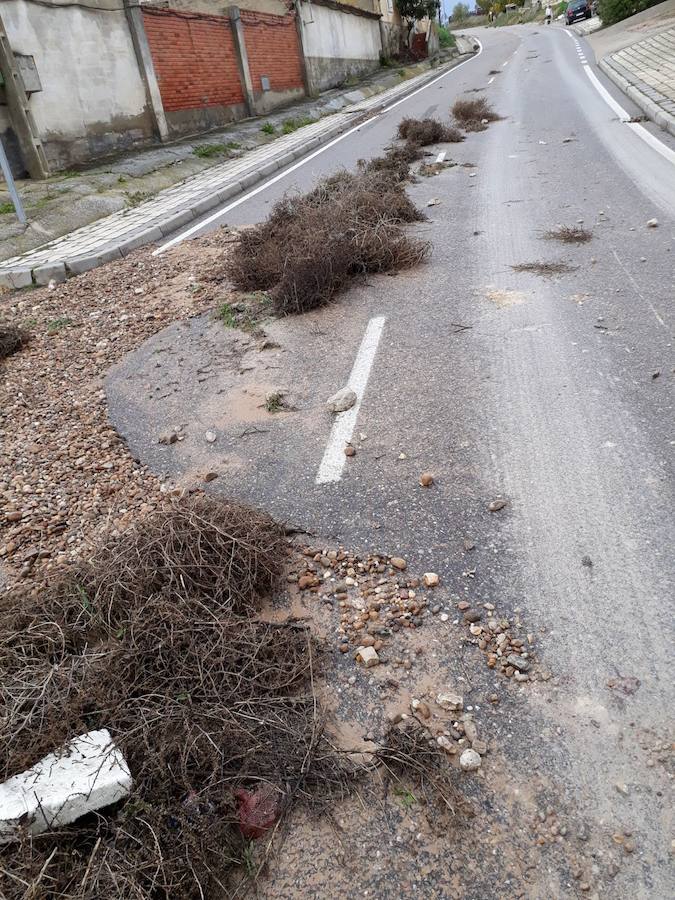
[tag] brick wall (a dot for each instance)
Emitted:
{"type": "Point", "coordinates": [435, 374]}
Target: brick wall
{"type": "Point", "coordinates": [194, 59]}
{"type": "Point", "coordinates": [273, 50]}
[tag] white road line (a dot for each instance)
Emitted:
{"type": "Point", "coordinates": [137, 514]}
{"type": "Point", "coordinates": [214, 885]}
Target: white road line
{"type": "Point", "coordinates": [504, 64]}
{"type": "Point", "coordinates": [333, 460]}
{"type": "Point", "coordinates": [193, 229]}
{"type": "Point", "coordinates": [491, 80]}
{"type": "Point", "coordinates": [606, 96]}
{"type": "Point", "coordinates": [441, 156]}
{"type": "Point", "coordinates": [624, 116]}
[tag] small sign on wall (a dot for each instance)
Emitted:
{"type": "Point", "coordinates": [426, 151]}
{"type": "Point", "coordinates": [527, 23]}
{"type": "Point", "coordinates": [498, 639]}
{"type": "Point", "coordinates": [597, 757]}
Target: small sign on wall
{"type": "Point", "coordinates": [265, 82]}
{"type": "Point", "coordinates": [29, 73]}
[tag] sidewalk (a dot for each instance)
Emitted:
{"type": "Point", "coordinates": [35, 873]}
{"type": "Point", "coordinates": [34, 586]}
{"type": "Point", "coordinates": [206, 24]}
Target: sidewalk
{"type": "Point", "coordinates": [150, 219]}
{"type": "Point", "coordinates": [638, 55]}
{"type": "Point", "coordinates": [587, 26]}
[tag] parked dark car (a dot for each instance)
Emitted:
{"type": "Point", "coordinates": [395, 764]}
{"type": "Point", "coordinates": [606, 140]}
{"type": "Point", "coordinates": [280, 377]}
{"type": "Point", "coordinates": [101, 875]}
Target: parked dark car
{"type": "Point", "coordinates": [578, 9]}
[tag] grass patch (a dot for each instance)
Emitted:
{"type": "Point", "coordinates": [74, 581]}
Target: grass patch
{"type": "Point", "coordinates": [6, 208]}
{"type": "Point", "coordinates": [208, 151]}
{"type": "Point", "coordinates": [69, 173]}
{"type": "Point", "coordinates": [121, 180]}
{"type": "Point", "coordinates": [274, 402]}
{"type": "Point", "coordinates": [545, 268]}
{"type": "Point", "coordinates": [43, 201]}
{"type": "Point", "coordinates": [12, 339]}
{"type": "Point", "coordinates": [474, 115]}
{"type": "Point", "coordinates": [226, 316]}
{"type": "Point", "coordinates": [58, 324]}
{"type": "Point", "coordinates": [133, 198]}
{"type": "Point", "coordinates": [291, 125]}
{"type": "Point", "coordinates": [428, 131]}
{"type": "Point", "coordinates": [268, 128]}
{"type": "Point", "coordinates": [312, 246]}
{"type": "Point", "coordinates": [569, 234]}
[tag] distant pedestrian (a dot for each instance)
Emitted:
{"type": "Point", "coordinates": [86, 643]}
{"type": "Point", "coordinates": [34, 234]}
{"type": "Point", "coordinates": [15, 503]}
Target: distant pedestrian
{"type": "Point", "coordinates": [549, 14]}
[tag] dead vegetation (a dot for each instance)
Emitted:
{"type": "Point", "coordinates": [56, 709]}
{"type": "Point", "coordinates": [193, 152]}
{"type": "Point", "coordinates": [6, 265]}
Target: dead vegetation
{"type": "Point", "coordinates": [569, 234]}
{"type": "Point", "coordinates": [12, 339]}
{"type": "Point", "coordinates": [158, 639]}
{"type": "Point", "coordinates": [313, 245]}
{"type": "Point", "coordinates": [545, 268]}
{"type": "Point", "coordinates": [428, 131]}
{"type": "Point", "coordinates": [474, 115]}
{"type": "Point", "coordinates": [428, 170]}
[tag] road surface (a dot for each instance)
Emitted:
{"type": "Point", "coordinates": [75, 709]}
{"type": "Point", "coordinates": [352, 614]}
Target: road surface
{"type": "Point", "coordinates": [555, 393]}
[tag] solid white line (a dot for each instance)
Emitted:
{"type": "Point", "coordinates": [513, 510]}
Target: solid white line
{"type": "Point", "coordinates": [441, 156]}
{"type": "Point", "coordinates": [193, 229]}
{"type": "Point", "coordinates": [653, 141]}
{"type": "Point", "coordinates": [606, 96]}
{"type": "Point", "coordinates": [333, 460]}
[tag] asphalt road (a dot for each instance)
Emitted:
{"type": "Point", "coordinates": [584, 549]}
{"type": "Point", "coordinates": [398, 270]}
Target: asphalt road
{"type": "Point", "coordinates": [553, 392]}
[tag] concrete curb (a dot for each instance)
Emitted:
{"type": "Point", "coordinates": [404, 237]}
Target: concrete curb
{"type": "Point", "coordinates": [652, 110]}
{"type": "Point", "coordinates": [58, 270]}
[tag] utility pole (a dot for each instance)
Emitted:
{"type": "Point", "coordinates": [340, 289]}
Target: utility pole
{"type": "Point", "coordinates": [19, 111]}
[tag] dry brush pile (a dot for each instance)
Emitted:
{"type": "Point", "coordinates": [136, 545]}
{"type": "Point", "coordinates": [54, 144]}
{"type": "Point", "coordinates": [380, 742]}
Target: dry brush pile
{"type": "Point", "coordinates": [312, 246]}
{"type": "Point", "coordinates": [157, 637]}
{"type": "Point", "coordinates": [474, 115]}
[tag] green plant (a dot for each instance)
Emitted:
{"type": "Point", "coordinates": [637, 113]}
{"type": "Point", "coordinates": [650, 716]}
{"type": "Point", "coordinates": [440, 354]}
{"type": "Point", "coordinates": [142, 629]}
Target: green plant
{"type": "Point", "coordinates": [232, 145]}
{"type": "Point", "coordinates": [460, 12]}
{"type": "Point", "coordinates": [6, 208]}
{"type": "Point", "coordinates": [136, 197]}
{"type": "Point", "coordinates": [445, 37]}
{"type": "Point", "coordinates": [69, 173]}
{"type": "Point", "coordinates": [247, 859]}
{"type": "Point", "coordinates": [291, 125]}
{"type": "Point", "coordinates": [207, 151]}
{"type": "Point", "coordinates": [407, 798]}
{"type": "Point", "coordinates": [58, 324]}
{"type": "Point", "coordinates": [413, 10]}
{"type": "Point", "coordinates": [612, 11]}
{"type": "Point", "coordinates": [121, 180]}
{"type": "Point", "coordinates": [274, 402]}
{"type": "Point", "coordinates": [43, 201]}
{"type": "Point", "coordinates": [267, 128]}
{"type": "Point", "coordinates": [226, 316]}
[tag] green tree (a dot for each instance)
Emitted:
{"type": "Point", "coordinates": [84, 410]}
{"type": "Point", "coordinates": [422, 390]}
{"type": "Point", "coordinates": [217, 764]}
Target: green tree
{"type": "Point", "coordinates": [460, 12]}
{"type": "Point", "coordinates": [413, 10]}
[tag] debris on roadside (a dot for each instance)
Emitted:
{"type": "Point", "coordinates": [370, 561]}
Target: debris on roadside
{"type": "Point", "coordinates": [428, 131]}
{"type": "Point", "coordinates": [473, 115]}
{"type": "Point", "coordinates": [341, 401]}
{"type": "Point", "coordinates": [569, 234]}
{"type": "Point", "coordinates": [87, 774]}
{"type": "Point", "coordinates": [426, 479]}
{"type": "Point", "coordinates": [546, 269]}
{"type": "Point", "coordinates": [500, 642]}
{"type": "Point", "coordinates": [312, 246]}
{"type": "Point", "coordinates": [496, 505]}
{"type": "Point", "coordinates": [12, 339]}
{"type": "Point", "coordinates": [433, 202]}
{"type": "Point", "coordinates": [653, 223]}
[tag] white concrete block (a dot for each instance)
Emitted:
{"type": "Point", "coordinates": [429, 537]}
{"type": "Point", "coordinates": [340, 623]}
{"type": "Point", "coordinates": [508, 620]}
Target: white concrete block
{"type": "Point", "coordinates": [87, 774]}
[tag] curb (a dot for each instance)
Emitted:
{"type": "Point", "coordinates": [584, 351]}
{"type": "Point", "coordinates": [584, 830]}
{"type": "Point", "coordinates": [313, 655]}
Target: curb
{"type": "Point", "coordinates": [59, 270]}
{"type": "Point", "coordinates": [652, 110]}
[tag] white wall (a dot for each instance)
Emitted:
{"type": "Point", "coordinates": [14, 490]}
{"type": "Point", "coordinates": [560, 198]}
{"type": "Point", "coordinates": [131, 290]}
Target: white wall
{"type": "Point", "coordinates": [93, 99]}
{"type": "Point", "coordinates": [338, 44]}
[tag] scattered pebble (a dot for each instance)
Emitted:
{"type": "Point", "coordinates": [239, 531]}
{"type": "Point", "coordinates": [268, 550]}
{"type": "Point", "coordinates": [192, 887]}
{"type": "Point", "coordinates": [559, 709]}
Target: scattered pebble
{"type": "Point", "coordinates": [426, 479]}
{"type": "Point", "coordinates": [210, 437]}
{"type": "Point", "coordinates": [496, 505]}
{"type": "Point", "coordinates": [470, 761]}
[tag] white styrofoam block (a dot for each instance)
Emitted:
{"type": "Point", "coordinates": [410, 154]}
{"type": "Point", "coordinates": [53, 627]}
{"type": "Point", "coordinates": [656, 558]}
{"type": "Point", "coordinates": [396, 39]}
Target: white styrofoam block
{"type": "Point", "coordinates": [87, 774]}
